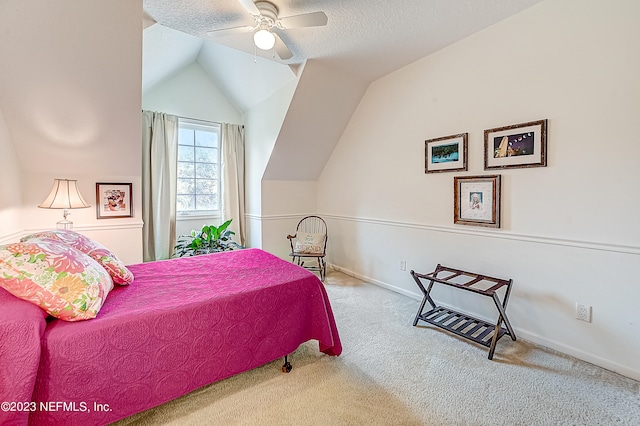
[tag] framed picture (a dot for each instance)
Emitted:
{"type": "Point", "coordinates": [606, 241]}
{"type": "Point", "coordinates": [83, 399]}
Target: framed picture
{"type": "Point", "coordinates": [519, 145]}
{"type": "Point", "coordinates": [113, 200]}
{"type": "Point", "coordinates": [477, 200]}
{"type": "Point", "coordinates": [446, 154]}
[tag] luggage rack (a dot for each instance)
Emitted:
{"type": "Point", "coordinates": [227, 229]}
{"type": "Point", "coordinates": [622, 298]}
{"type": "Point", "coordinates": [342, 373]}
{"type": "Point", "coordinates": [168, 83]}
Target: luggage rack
{"type": "Point", "coordinates": [474, 329]}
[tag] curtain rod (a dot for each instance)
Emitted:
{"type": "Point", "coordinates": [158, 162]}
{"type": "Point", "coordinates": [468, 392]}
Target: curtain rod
{"type": "Point", "coordinates": [197, 119]}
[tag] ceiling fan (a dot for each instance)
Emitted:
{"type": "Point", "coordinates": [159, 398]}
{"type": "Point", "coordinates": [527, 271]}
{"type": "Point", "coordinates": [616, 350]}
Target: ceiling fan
{"type": "Point", "coordinates": [268, 24]}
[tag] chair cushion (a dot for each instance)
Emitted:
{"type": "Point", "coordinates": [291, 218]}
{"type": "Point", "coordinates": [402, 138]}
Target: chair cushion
{"type": "Point", "coordinates": [309, 243]}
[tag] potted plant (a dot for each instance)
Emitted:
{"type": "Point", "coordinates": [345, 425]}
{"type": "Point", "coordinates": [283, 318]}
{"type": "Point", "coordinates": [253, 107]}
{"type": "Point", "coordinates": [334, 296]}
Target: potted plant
{"type": "Point", "coordinates": [210, 239]}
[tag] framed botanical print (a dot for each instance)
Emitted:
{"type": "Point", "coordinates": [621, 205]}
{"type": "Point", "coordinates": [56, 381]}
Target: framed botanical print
{"type": "Point", "coordinates": [477, 200]}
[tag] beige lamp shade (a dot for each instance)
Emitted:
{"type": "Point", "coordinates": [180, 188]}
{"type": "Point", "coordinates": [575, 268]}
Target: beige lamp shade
{"type": "Point", "coordinates": [64, 195]}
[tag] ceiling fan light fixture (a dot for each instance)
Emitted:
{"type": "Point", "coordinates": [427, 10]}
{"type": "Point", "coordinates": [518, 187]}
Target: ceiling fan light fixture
{"type": "Point", "coordinates": [264, 39]}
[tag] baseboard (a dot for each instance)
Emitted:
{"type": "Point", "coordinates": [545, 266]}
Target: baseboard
{"type": "Point", "coordinates": [520, 333]}
{"type": "Point", "coordinates": [576, 353]}
{"type": "Point", "coordinates": [410, 294]}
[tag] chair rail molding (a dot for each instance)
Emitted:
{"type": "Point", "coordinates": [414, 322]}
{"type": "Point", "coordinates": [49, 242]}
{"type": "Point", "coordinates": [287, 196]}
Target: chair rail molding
{"type": "Point", "coordinates": [590, 245]}
{"type": "Point", "coordinates": [296, 216]}
{"type": "Point", "coordinates": [9, 238]}
{"type": "Point", "coordinates": [499, 234]}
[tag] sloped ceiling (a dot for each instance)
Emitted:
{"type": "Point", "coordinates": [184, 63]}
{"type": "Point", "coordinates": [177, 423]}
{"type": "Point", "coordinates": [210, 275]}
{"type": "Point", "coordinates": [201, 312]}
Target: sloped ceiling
{"type": "Point", "coordinates": [244, 79]}
{"type": "Point", "coordinates": [164, 52]}
{"type": "Point", "coordinates": [364, 38]}
{"type": "Point", "coordinates": [324, 101]}
{"type": "Point", "coordinates": [69, 90]}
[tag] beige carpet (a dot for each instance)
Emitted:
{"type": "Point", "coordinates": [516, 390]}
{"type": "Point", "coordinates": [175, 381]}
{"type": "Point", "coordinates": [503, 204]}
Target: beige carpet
{"type": "Point", "coordinates": [391, 373]}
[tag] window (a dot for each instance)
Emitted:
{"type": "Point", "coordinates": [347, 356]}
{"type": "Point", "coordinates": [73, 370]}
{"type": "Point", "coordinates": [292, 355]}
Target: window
{"type": "Point", "coordinates": [198, 168]}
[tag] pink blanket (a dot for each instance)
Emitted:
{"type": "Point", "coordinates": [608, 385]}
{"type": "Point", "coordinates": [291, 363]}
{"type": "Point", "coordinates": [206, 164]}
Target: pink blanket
{"type": "Point", "coordinates": [182, 324]}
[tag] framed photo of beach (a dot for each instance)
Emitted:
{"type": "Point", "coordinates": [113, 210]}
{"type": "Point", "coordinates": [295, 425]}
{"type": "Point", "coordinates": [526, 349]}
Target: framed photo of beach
{"type": "Point", "coordinates": [476, 200]}
{"type": "Point", "coordinates": [516, 146]}
{"type": "Point", "coordinates": [446, 154]}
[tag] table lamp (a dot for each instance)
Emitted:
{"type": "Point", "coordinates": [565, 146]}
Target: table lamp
{"type": "Point", "coordinates": [64, 195]}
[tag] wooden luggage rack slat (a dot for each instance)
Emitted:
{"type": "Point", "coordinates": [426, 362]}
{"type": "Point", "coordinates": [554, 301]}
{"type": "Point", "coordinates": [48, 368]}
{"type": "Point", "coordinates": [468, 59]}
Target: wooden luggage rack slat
{"type": "Point", "coordinates": [474, 329]}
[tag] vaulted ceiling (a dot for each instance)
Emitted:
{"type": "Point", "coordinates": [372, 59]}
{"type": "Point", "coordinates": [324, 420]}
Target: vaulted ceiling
{"type": "Point", "coordinates": [364, 38]}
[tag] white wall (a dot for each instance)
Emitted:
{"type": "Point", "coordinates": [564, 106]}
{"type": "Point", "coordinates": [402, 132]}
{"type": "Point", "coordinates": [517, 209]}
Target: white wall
{"type": "Point", "coordinates": [262, 126]}
{"type": "Point", "coordinates": [320, 109]}
{"type": "Point", "coordinates": [570, 231]}
{"type": "Point", "coordinates": [70, 93]}
{"type": "Point", "coordinates": [11, 184]}
{"type": "Point", "coordinates": [284, 203]}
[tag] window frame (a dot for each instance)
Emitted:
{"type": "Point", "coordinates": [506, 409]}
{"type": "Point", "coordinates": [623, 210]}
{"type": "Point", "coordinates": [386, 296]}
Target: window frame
{"type": "Point", "coordinates": [192, 124]}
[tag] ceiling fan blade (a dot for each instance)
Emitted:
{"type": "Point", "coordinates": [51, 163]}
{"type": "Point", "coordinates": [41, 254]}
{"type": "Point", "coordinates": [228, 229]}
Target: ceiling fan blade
{"type": "Point", "coordinates": [223, 32]}
{"type": "Point", "coordinates": [281, 49]}
{"type": "Point", "coordinates": [315, 19]}
{"type": "Point", "coordinates": [250, 6]}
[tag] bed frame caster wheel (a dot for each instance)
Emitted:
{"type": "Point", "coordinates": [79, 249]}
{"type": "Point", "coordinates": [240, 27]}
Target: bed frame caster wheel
{"type": "Point", "coordinates": [286, 368]}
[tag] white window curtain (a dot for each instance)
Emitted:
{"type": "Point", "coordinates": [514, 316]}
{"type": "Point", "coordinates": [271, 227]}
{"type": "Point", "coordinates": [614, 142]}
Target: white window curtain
{"type": "Point", "coordinates": [159, 169]}
{"type": "Point", "coordinates": [232, 165]}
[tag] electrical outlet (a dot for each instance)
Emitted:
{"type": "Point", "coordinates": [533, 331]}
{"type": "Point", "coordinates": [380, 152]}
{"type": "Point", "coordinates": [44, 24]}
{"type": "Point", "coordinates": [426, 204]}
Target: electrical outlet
{"type": "Point", "coordinates": [583, 312]}
{"type": "Point", "coordinates": [403, 265]}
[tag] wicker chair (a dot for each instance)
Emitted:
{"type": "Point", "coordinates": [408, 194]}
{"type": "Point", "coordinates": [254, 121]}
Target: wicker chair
{"type": "Point", "coordinates": [310, 242]}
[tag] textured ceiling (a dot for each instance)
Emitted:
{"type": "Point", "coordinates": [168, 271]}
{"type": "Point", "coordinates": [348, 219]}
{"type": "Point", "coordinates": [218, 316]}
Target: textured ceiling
{"type": "Point", "coordinates": [367, 38]}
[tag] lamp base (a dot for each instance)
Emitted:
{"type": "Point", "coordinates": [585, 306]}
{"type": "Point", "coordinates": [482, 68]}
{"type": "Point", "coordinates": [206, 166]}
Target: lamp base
{"type": "Point", "coordinates": [64, 224]}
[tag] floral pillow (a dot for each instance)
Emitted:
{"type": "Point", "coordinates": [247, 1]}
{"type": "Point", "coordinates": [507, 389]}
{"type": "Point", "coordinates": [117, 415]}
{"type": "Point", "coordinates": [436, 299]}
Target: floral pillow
{"type": "Point", "coordinates": [109, 261]}
{"type": "Point", "coordinates": [309, 243]}
{"type": "Point", "coordinates": [63, 281]}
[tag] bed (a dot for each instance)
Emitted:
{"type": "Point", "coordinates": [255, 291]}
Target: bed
{"type": "Point", "coordinates": [180, 325]}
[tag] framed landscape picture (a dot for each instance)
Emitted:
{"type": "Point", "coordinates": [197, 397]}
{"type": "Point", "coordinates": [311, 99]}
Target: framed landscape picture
{"type": "Point", "coordinates": [477, 200]}
{"type": "Point", "coordinates": [113, 200]}
{"type": "Point", "coordinates": [516, 146]}
{"type": "Point", "coordinates": [446, 154]}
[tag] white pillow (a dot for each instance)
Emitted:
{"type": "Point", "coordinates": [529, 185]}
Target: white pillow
{"type": "Point", "coordinates": [309, 243]}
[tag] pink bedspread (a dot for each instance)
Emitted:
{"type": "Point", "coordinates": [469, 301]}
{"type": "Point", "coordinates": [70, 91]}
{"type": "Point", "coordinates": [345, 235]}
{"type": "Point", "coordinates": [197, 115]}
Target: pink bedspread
{"type": "Point", "coordinates": [182, 324]}
{"type": "Point", "coordinates": [21, 327]}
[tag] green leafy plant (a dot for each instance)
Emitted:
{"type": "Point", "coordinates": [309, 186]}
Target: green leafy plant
{"type": "Point", "coordinates": [210, 239]}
